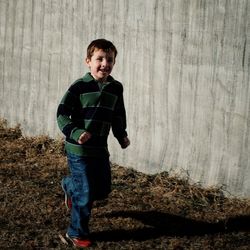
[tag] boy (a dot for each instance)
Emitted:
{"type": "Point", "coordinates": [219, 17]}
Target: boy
{"type": "Point", "coordinates": [91, 106]}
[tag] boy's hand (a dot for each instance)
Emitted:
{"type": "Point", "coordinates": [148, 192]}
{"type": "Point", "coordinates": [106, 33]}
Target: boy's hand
{"type": "Point", "coordinates": [85, 136]}
{"type": "Point", "coordinates": [125, 143]}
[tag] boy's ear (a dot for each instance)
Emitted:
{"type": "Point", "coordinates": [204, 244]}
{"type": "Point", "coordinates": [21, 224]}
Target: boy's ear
{"type": "Point", "coordinates": [87, 61]}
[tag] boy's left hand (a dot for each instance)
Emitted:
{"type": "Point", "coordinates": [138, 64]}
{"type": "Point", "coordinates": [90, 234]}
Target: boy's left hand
{"type": "Point", "coordinates": [85, 136]}
{"type": "Point", "coordinates": [126, 142]}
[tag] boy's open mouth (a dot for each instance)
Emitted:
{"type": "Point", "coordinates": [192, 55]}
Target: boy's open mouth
{"type": "Point", "coordinates": [105, 71]}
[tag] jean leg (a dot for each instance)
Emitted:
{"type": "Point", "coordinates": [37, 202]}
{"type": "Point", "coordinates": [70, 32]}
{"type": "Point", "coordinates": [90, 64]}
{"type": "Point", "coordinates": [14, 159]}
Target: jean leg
{"type": "Point", "coordinates": [99, 178]}
{"type": "Point", "coordinates": [78, 188]}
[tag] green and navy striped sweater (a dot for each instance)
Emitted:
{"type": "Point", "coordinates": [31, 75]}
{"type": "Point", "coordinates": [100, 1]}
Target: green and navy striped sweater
{"type": "Point", "coordinates": [93, 107]}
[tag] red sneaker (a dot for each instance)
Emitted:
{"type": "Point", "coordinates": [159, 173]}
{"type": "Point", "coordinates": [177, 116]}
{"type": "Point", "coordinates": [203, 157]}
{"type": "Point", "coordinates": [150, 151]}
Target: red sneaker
{"type": "Point", "coordinates": [79, 242]}
{"type": "Point", "coordinates": [67, 199]}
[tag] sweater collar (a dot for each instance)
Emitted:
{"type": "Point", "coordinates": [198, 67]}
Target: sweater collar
{"type": "Point", "coordinates": [88, 78]}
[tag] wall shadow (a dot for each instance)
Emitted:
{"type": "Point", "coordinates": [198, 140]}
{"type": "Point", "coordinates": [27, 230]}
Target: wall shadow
{"type": "Point", "coordinates": [159, 224]}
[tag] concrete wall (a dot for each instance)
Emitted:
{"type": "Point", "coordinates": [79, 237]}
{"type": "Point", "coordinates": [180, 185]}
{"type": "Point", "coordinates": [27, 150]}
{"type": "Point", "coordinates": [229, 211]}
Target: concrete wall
{"type": "Point", "coordinates": [184, 64]}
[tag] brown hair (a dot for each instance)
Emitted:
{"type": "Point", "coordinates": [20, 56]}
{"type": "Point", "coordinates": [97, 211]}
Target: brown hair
{"type": "Point", "coordinates": [102, 44]}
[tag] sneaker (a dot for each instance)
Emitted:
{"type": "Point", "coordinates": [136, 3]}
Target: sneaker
{"type": "Point", "coordinates": [67, 199]}
{"type": "Point", "coordinates": [79, 242]}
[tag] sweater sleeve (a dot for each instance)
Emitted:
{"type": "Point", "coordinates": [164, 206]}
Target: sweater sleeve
{"type": "Point", "coordinates": [119, 123]}
{"type": "Point", "coordinates": [64, 115]}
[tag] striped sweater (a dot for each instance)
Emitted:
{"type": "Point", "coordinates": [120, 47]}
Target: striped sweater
{"type": "Point", "coordinates": [93, 107]}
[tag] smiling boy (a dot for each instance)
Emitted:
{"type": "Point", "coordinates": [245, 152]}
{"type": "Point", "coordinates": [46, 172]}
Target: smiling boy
{"type": "Point", "coordinates": [89, 109]}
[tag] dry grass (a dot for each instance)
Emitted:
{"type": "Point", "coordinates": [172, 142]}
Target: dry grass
{"type": "Point", "coordinates": [142, 212]}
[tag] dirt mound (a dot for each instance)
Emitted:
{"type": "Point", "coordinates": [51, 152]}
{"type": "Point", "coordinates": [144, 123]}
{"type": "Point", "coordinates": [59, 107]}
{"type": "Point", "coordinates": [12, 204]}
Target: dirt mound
{"type": "Point", "coordinates": [142, 212]}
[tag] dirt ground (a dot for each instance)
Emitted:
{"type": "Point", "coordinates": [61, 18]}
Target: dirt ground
{"type": "Point", "coordinates": [143, 211]}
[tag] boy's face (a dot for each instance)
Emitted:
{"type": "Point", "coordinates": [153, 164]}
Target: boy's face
{"type": "Point", "coordinates": [101, 64]}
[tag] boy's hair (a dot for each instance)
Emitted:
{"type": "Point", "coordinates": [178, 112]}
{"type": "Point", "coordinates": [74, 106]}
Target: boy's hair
{"type": "Point", "coordinates": [102, 44]}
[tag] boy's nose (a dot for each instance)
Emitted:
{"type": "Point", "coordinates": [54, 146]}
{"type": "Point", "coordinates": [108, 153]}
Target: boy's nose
{"type": "Point", "coordinates": [104, 62]}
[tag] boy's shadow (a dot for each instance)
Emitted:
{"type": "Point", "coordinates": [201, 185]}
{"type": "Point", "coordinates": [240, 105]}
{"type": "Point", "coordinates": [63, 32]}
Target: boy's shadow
{"type": "Point", "coordinates": [157, 224]}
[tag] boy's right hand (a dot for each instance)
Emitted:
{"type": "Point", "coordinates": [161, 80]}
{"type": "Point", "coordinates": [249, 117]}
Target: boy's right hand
{"type": "Point", "coordinates": [85, 136]}
{"type": "Point", "coordinates": [125, 143]}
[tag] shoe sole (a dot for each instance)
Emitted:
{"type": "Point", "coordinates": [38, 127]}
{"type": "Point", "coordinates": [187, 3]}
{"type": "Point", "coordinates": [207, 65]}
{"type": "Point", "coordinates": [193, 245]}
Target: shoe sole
{"type": "Point", "coordinates": [71, 240]}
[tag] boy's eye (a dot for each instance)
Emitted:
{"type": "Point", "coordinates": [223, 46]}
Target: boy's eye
{"type": "Point", "coordinates": [109, 60]}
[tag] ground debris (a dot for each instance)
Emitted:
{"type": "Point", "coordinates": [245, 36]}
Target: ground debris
{"type": "Point", "coordinates": [143, 211]}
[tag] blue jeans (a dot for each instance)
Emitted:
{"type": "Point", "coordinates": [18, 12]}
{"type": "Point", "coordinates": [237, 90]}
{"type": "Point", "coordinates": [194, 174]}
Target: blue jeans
{"type": "Point", "coordinates": [90, 180]}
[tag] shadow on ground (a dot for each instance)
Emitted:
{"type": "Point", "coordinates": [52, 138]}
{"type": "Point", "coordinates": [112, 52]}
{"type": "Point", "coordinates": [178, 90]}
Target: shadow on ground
{"type": "Point", "coordinates": [159, 224]}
